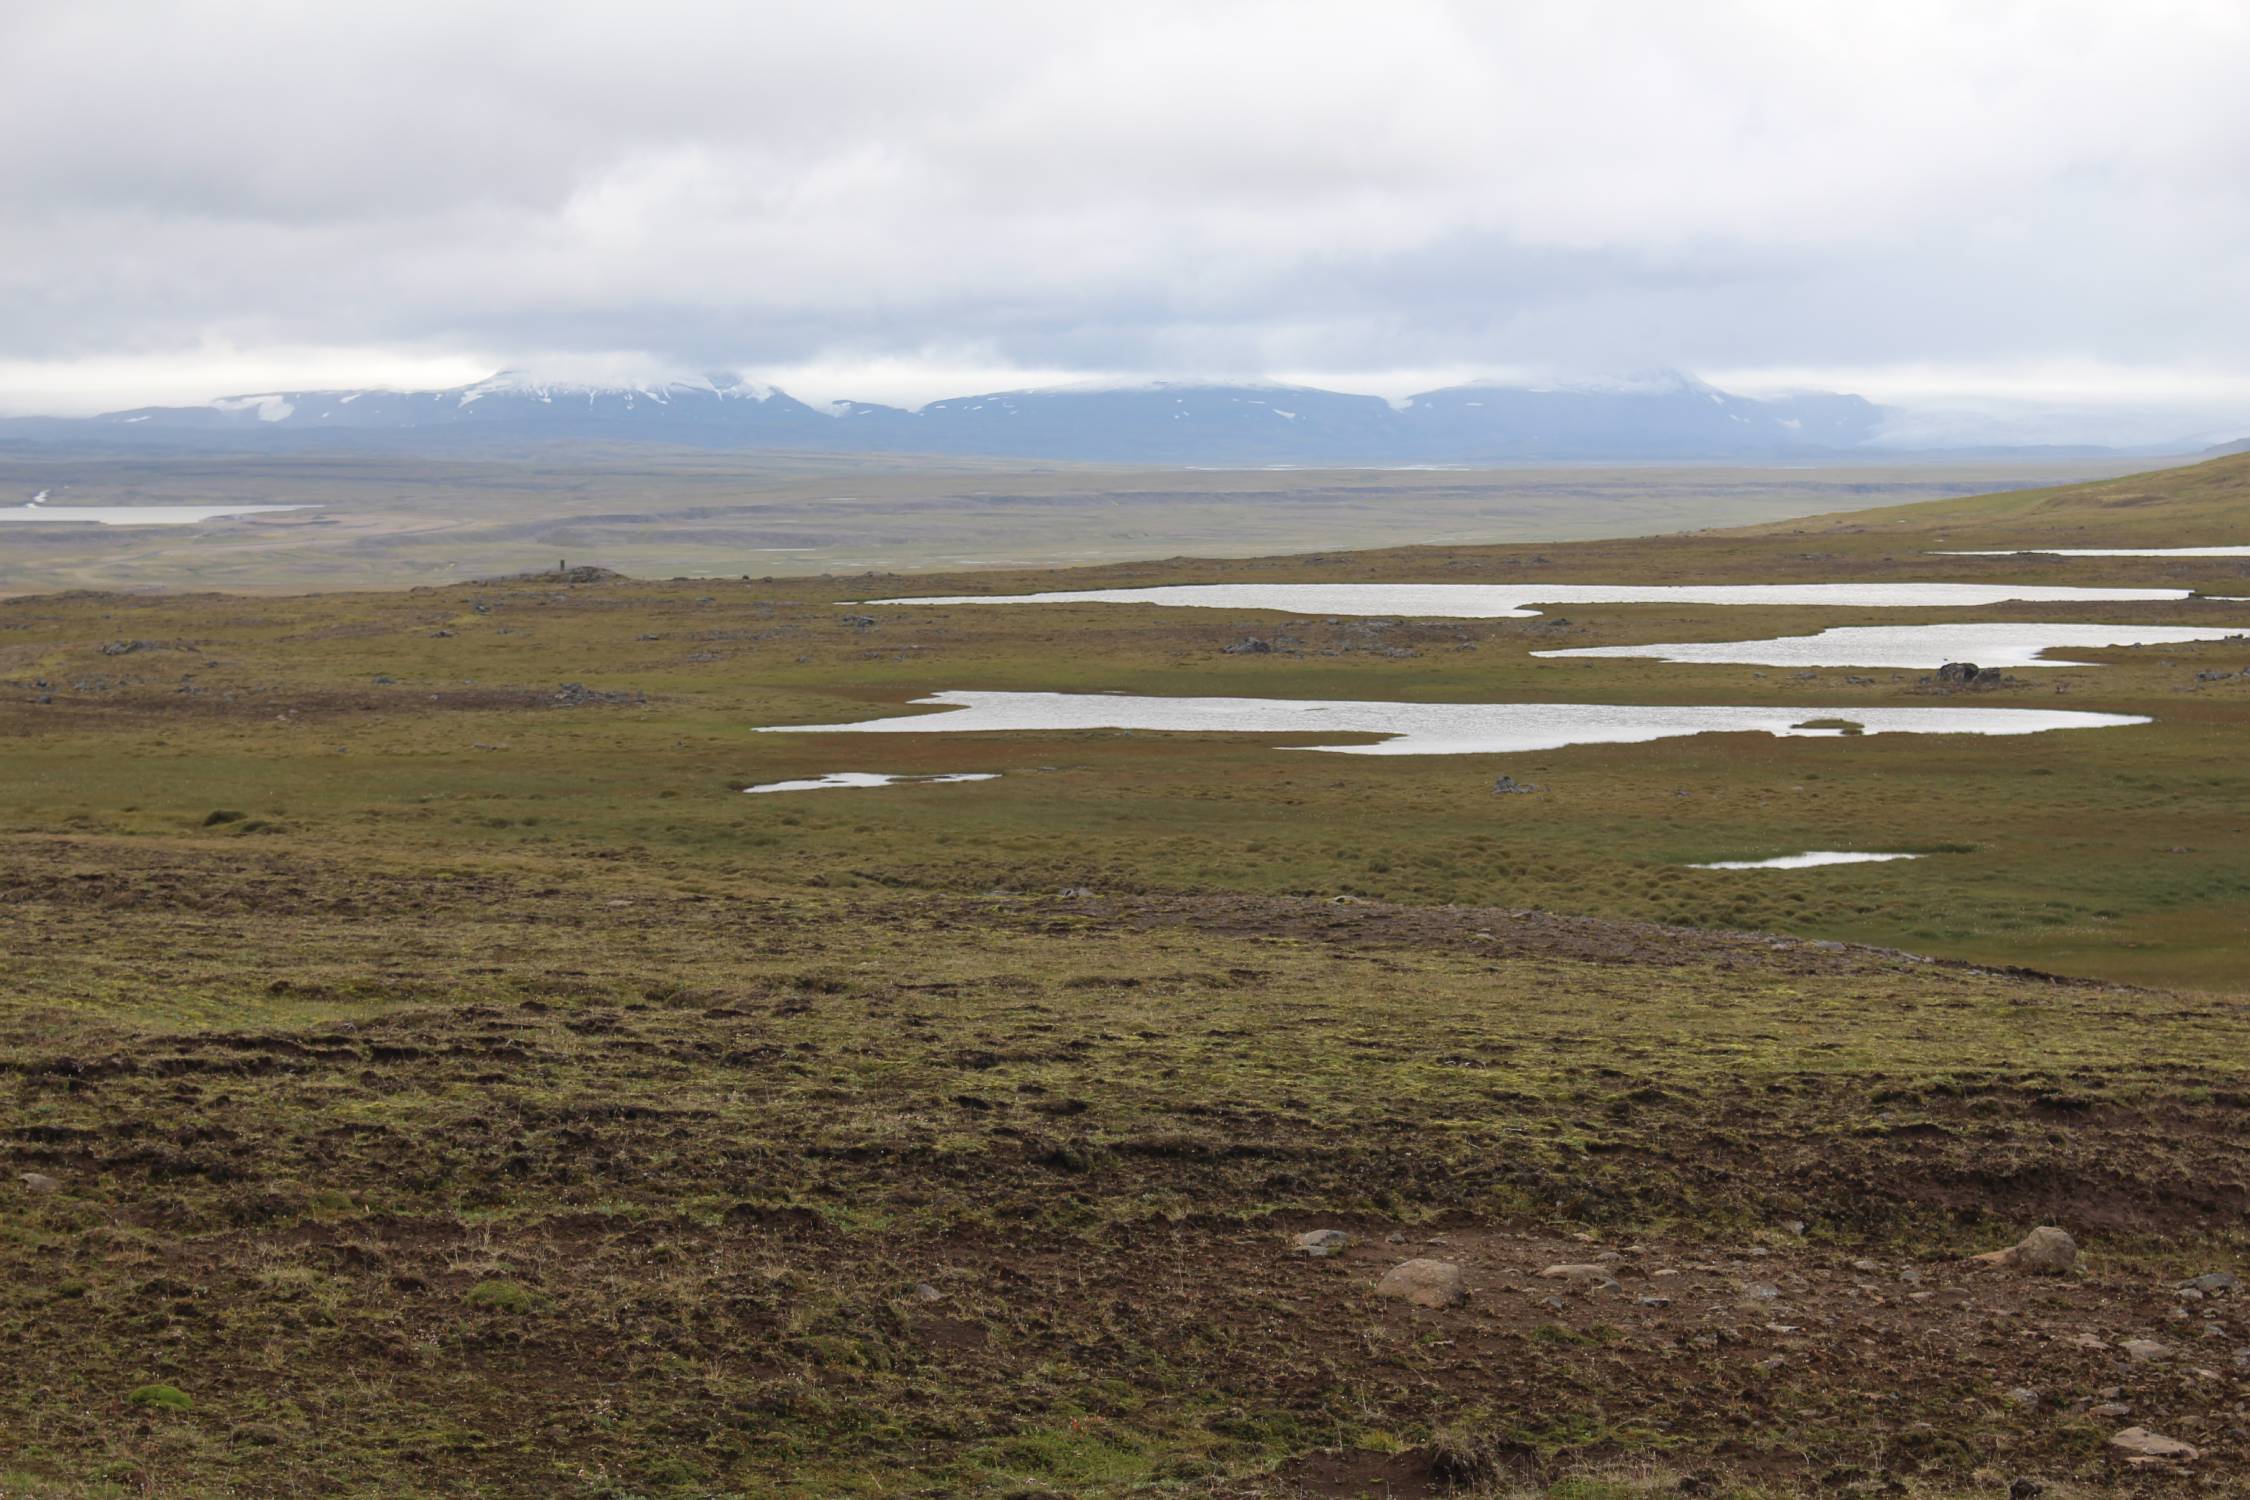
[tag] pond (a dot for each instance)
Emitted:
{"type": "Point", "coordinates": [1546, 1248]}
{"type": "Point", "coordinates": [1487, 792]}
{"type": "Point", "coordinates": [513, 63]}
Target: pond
{"type": "Point", "coordinates": [1495, 601]}
{"type": "Point", "coordinates": [1803, 861]}
{"type": "Point", "coordinates": [835, 779]}
{"type": "Point", "coordinates": [132, 515]}
{"type": "Point", "coordinates": [1923, 646]}
{"type": "Point", "coordinates": [2107, 552]}
{"type": "Point", "coordinates": [1439, 728]}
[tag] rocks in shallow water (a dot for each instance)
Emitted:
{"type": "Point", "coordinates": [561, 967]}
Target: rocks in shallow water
{"type": "Point", "coordinates": [2147, 1444]}
{"type": "Point", "coordinates": [1321, 1242]}
{"type": "Point", "coordinates": [1425, 1283]}
{"type": "Point", "coordinates": [2046, 1250]}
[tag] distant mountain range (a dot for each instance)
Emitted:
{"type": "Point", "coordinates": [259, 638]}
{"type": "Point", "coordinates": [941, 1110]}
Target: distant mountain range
{"type": "Point", "coordinates": [1668, 415]}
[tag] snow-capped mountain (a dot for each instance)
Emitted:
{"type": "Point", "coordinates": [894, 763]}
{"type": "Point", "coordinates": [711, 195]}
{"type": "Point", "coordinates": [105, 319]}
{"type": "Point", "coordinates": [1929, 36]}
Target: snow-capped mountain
{"type": "Point", "coordinates": [1664, 415]}
{"type": "Point", "coordinates": [712, 407]}
{"type": "Point", "coordinates": [1158, 421]}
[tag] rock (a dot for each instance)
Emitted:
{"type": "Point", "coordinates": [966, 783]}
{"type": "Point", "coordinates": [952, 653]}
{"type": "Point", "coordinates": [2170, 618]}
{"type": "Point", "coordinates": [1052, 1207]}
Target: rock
{"type": "Point", "coordinates": [1425, 1283]}
{"type": "Point", "coordinates": [2109, 1410]}
{"type": "Point", "coordinates": [2143, 1351]}
{"type": "Point", "coordinates": [1577, 1270]}
{"type": "Point", "coordinates": [1321, 1242]}
{"type": "Point", "coordinates": [924, 1292]}
{"type": "Point", "coordinates": [37, 1182]}
{"type": "Point", "coordinates": [2023, 1395]}
{"type": "Point", "coordinates": [1250, 645]}
{"type": "Point", "coordinates": [2086, 1341]}
{"type": "Point", "coordinates": [2211, 1281]}
{"type": "Point", "coordinates": [1867, 1265]}
{"type": "Point", "coordinates": [1760, 1291]}
{"type": "Point", "coordinates": [2046, 1250]}
{"type": "Point", "coordinates": [577, 695]}
{"type": "Point", "coordinates": [1508, 786]}
{"type": "Point", "coordinates": [1960, 674]}
{"type": "Point", "coordinates": [2147, 1444]}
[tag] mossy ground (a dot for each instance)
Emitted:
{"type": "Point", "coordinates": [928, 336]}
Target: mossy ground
{"type": "Point", "coordinates": [486, 990]}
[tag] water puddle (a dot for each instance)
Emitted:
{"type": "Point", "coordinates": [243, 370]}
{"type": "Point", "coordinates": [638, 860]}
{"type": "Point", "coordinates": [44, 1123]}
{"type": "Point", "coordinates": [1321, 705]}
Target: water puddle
{"type": "Point", "coordinates": [1803, 861]}
{"type": "Point", "coordinates": [1495, 601]}
{"type": "Point", "coordinates": [867, 778]}
{"type": "Point", "coordinates": [134, 515]}
{"type": "Point", "coordinates": [2107, 552]}
{"type": "Point", "coordinates": [1440, 728]}
{"type": "Point", "coordinates": [1922, 646]}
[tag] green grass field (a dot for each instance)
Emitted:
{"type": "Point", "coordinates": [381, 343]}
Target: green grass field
{"type": "Point", "coordinates": [447, 1083]}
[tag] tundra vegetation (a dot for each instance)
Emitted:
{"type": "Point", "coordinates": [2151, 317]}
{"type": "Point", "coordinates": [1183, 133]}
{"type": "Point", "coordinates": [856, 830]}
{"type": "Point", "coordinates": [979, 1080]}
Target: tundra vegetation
{"type": "Point", "coordinates": [423, 1072]}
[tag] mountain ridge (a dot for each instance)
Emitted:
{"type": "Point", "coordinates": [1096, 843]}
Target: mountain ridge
{"type": "Point", "coordinates": [1650, 416]}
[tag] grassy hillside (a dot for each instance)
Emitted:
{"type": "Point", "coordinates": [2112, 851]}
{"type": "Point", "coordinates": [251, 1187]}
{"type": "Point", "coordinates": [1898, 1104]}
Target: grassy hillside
{"type": "Point", "coordinates": [436, 1078]}
{"type": "Point", "coordinates": [2203, 505]}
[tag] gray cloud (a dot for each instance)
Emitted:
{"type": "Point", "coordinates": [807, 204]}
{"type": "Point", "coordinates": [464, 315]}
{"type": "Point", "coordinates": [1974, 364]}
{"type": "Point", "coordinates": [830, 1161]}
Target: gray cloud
{"type": "Point", "coordinates": [1164, 186]}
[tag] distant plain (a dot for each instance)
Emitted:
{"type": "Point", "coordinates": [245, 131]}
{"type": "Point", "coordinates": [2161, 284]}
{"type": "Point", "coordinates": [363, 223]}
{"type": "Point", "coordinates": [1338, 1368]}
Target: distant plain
{"type": "Point", "coordinates": [396, 521]}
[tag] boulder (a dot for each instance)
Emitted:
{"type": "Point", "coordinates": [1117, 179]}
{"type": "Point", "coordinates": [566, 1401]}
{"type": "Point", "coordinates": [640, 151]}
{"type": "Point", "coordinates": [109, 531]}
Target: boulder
{"type": "Point", "coordinates": [1321, 1242]}
{"type": "Point", "coordinates": [1425, 1283]}
{"type": "Point", "coordinates": [2144, 1351]}
{"type": "Point", "coordinates": [37, 1182]}
{"type": "Point", "coordinates": [2046, 1250]}
{"type": "Point", "coordinates": [1577, 1271]}
{"type": "Point", "coordinates": [2147, 1444]}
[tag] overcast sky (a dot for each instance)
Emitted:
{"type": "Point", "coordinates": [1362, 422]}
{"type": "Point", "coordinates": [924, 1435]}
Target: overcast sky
{"type": "Point", "coordinates": [899, 201]}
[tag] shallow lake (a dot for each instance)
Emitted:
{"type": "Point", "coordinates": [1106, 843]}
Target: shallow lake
{"type": "Point", "coordinates": [133, 515]}
{"type": "Point", "coordinates": [1803, 861]}
{"type": "Point", "coordinates": [1435, 728]}
{"type": "Point", "coordinates": [1493, 601]}
{"type": "Point", "coordinates": [1924, 646]}
{"type": "Point", "coordinates": [837, 779]}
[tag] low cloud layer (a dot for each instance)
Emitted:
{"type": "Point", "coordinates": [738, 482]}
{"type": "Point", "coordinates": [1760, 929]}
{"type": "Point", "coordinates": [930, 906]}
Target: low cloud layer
{"type": "Point", "coordinates": [904, 196]}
